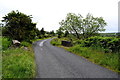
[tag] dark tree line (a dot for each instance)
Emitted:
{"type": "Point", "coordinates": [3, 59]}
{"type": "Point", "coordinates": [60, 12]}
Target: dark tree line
{"type": "Point", "coordinates": [19, 26]}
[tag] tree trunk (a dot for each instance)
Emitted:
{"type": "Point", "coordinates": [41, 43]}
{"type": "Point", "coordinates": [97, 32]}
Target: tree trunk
{"type": "Point", "coordinates": [76, 32]}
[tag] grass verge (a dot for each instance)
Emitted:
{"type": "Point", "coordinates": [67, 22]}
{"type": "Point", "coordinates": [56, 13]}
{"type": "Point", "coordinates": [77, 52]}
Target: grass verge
{"type": "Point", "coordinates": [108, 60]}
{"type": "Point", "coordinates": [18, 63]}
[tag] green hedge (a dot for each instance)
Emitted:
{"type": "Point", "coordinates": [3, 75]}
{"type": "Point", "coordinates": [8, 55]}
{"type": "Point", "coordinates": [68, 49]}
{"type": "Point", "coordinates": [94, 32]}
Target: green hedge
{"type": "Point", "coordinates": [109, 44]}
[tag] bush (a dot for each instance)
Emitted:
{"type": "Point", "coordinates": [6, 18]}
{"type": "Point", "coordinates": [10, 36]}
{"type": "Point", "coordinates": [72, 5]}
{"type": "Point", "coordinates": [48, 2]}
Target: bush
{"type": "Point", "coordinates": [56, 42]}
{"type": "Point", "coordinates": [25, 44]}
{"type": "Point", "coordinates": [6, 42]}
{"type": "Point", "coordinates": [108, 44]}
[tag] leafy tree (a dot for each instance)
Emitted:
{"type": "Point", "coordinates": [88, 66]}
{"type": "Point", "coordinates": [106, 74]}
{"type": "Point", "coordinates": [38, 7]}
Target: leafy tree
{"type": "Point", "coordinates": [77, 25]}
{"type": "Point", "coordinates": [66, 34]}
{"type": "Point", "coordinates": [37, 33]}
{"type": "Point", "coordinates": [42, 31]}
{"type": "Point", "coordinates": [19, 26]}
{"type": "Point", "coordinates": [92, 25]}
{"type": "Point", "coordinates": [71, 24]}
{"type": "Point", "coordinates": [52, 33]}
{"type": "Point", "coordinates": [59, 32]}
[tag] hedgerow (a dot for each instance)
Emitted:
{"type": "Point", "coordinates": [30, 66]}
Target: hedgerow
{"type": "Point", "coordinates": [109, 44]}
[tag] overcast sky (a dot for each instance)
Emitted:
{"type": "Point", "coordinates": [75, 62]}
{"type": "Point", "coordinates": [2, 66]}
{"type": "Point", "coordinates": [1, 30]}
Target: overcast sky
{"type": "Point", "coordinates": [48, 13]}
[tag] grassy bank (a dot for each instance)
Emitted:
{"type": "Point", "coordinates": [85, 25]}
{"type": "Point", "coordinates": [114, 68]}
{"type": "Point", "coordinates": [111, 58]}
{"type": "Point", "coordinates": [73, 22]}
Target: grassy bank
{"type": "Point", "coordinates": [57, 41]}
{"type": "Point", "coordinates": [17, 62]}
{"type": "Point", "coordinates": [95, 55]}
{"type": "Point", "coordinates": [107, 60]}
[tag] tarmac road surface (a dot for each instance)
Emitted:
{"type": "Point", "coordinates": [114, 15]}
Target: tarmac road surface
{"type": "Point", "coordinates": [55, 62]}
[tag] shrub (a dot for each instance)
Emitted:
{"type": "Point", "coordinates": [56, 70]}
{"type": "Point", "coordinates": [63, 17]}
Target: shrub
{"type": "Point", "coordinates": [6, 42]}
{"type": "Point", "coordinates": [109, 44]}
{"type": "Point", "coordinates": [25, 44]}
{"type": "Point", "coordinates": [56, 42]}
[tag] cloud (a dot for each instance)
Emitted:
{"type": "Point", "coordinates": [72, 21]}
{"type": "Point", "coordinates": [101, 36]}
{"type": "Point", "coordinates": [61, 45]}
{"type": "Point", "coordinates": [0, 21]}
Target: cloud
{"type": "Point", "coordinates": [48, 13]}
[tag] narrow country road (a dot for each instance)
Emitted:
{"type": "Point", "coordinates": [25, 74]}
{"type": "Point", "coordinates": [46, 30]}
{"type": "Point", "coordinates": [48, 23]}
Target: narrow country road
{"type": "Point", "coordinates": [54, 62]}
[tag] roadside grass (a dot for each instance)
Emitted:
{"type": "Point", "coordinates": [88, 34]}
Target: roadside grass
{"type": "Point", "coordinates": [17, 62]}
{"type": "Point", "coordinates": [95, 55]}
{"type": "Point", "coordinates": [57, 41]}
{"type": "Point", "coordinates": [25, 44]}
{"type": "Point", "coordinates": [108, 60]}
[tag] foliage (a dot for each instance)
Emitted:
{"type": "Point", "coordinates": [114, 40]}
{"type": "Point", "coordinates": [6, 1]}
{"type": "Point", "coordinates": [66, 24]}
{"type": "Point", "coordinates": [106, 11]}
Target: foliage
{"type": "Point", "coordinates": [52, 33]}
{"type": "Point", "coordinates": [59, 33]}
{"type": "Point", "coordinates": [108, 34]}
{"type": "Point", "coordinates": [45, 34]}
{"type": "Point", "coordinates": [76, 25]}
{"type": "Point", "coordinates": [107, 60]}
{"type": "Point", "coordinates": [66, 34]}
{"type": "Point", "coordinates": [42, 31]}
{"type": "Point", "coordinates": [25, 44]}
{"type": "Point", "coordinates": [109, 44]}
{"type": "Point", "coordinates": [71, 24]}
{"type": "Point", "coordinates": [18, 63]}
{"type": "Point", "coordinates": [37, 34]}
{"type": "Point", "coordinates": [19, 26]}
{"type": "Point", "coordinates": [92, 25]}
{"type": "Point", "coordinates": [56, 42]}
{"type": "Point", "coordinates": [92, 50]}
{"type": "Point", "coordinates": [6, 42]}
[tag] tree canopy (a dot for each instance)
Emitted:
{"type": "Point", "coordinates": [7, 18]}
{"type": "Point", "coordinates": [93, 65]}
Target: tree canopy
{"type": "Point", "coordinates": [19, 26]}
{"type": "Point", "coordinates": [77, 25]}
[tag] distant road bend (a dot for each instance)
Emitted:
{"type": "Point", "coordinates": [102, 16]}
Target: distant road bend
{"type": "Point", "coordinates": [54, 62]}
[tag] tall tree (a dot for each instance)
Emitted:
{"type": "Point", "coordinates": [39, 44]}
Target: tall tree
{"type": "Point", "coordinates": [71, 24]}
{"type": "Point", "coordinates": [66, 34]}
{"type": "Point", "coordinates": [59, 32]}
{"type": "Point", "coordinates": [42, 31]}
{"type": "Point", "coordinates": [52, 33]}
{"type": "Point", "coordinates": [92, 25]}
{"type": "Point", "coordinates": [77, 25]}
{"type": "Point", "coordinates": [19, 26]}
